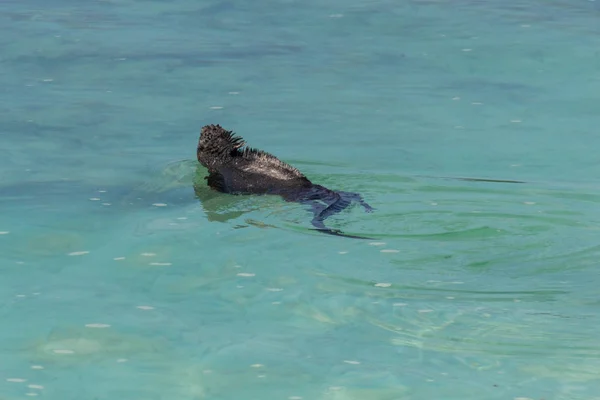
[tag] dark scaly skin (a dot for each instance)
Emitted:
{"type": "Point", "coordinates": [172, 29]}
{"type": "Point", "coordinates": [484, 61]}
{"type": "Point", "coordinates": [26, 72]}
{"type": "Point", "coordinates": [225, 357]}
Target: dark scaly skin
{"type": "Point", "coordinates": [234, 169]}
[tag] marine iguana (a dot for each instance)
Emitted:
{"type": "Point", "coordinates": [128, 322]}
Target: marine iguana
{"type": "Point", "coordinates": [235, 169]}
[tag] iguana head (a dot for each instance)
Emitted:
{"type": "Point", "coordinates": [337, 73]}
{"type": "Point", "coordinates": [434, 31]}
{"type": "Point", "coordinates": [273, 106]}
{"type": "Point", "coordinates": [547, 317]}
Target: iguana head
{"type": "Point", "coordinates": [217, 146]}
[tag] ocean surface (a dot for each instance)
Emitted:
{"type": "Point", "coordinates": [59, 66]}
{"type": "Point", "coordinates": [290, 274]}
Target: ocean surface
{"type": "Point", "coordinates": [470, 126]}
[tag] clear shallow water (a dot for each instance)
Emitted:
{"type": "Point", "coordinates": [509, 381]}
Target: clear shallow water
{"type": "Point", "coordinates": [471, 290]}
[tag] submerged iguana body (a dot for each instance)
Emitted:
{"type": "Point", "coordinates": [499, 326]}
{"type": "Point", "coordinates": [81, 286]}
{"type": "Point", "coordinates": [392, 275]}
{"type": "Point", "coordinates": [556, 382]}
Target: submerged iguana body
{"type": "Point", "coordinates": [234, 169]}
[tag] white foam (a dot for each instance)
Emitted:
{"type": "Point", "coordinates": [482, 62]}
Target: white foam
{"type": "Point", "coordinates": [63, 351]}
{"type": "Point", "coordinates": [352, 362]}
{"type": "Point", "coordinates": [37, 367]}
{"type": "Point", "coordinates": [342, 252]}
{"type": "Point", "coordinates": [216, 108]}
{"type": "Point", "coordinates": [257, 365]}
{"type": "Point", "coordinates": [377, 244]}
{"type": "Point", "coordinates": [148, 254]}
{"type": "Point", "coordinates": [161, 263]}
{"type": "Point", "coordinates": [122, 360]}
{"type": "Point", "coordinates": [94, 199]}
{"type": "Point", "coordinates": [425, 311]}
{"type": "Point", "coordinates": [40, 387]}
{"type": "Point", "coordinates": [159, 204]}
{"type": "Point", "coordinates": [389, 251]}
{"type": "Point", "coordinates": [4, 232]}
{"type": "Point", "coordinates": [118, 258]}
{"type": "Point", "coordinates": [16, 380]}
{"type": "Point", "coordinates": [145, 307]}
{"type": "Point", "coordinates": [246, 274]}
{"type": "Point", "coordinates": [97, 326]}
{"type": "Point", "coordinates": [78, 253]}
{"type": "Point", "coordinates": [383, 284]}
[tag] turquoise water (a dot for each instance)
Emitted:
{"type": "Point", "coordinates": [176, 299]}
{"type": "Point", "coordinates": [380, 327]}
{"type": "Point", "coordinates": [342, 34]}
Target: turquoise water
{"type": "Point", "coordinates": [118, 283]}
